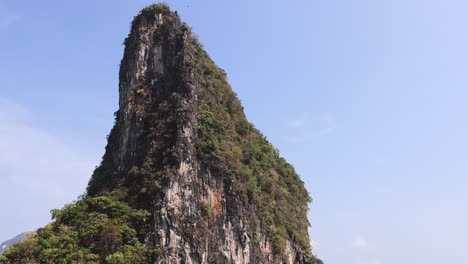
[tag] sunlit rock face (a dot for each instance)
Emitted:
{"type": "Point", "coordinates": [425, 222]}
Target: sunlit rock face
{"type": "Point", "coordinates": [182, 149]}
{"type": "Point", "coordinates": [198, 216]}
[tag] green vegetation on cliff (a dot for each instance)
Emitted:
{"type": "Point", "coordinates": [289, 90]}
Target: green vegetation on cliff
{"type": "Point", "coordinates": [272, 199]}
{"type": "Point", "coordinates": [272, 193]}
{"type": "Point", "coordinates": [91, 230]}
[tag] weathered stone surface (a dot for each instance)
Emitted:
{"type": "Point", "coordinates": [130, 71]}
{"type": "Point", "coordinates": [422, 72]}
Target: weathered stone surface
{"type": "Point", "coordinates": [156, 65]}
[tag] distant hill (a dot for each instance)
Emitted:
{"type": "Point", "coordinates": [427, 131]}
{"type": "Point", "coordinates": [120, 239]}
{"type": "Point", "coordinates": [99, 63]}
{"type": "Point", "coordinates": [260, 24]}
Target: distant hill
{"type": "Point", "coordinates": [9, 243]}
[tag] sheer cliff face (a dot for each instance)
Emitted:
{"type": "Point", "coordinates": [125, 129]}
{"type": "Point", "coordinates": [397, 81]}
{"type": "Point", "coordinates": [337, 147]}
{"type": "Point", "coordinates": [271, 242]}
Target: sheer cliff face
{"type": "Point", "coordinates": [182, 148]}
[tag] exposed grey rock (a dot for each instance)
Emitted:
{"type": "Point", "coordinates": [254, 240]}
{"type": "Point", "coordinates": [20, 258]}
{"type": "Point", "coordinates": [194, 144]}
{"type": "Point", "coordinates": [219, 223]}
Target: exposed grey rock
{"type": "Point", "coordinates": [157, 61]}
{"type": "Point", "coordinates": [9, 243]}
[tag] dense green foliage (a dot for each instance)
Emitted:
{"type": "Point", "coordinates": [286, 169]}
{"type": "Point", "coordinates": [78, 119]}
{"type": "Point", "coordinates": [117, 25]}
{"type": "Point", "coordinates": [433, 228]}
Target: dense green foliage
{"type": "Point", "coordinates": [91, 230]}
{"type": "Point", "coordinates": [155, 8]}
{"type": "Point", "coordinates": [101, 229]}
{"type": "Point", "coordinates": [268, 186]}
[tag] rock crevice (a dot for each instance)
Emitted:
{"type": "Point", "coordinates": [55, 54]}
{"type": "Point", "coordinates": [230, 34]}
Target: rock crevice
{"type": "Point", "coordinates": [197, 214]}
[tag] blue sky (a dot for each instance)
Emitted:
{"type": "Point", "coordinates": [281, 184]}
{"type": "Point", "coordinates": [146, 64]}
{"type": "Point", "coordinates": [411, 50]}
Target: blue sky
{"type": "Point", "coordinates": [367, 99]}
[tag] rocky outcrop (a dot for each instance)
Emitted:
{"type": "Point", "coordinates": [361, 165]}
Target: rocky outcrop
{"type": "Point", "coordinates": [153, 154]}
{"type": "Point", "coordinates": [17, 239]}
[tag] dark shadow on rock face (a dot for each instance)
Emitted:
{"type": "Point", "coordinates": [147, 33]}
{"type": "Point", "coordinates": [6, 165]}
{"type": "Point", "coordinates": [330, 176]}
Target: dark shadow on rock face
{"type": "Point", "coordinates": [207, 185]}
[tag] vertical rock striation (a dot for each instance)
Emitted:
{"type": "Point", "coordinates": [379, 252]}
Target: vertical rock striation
{"type": "Point", "coordinates": [182, 149]}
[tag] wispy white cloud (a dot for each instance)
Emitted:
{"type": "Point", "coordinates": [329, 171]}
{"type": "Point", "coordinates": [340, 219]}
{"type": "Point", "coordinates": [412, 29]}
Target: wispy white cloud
{"type": "Point", "coordinates": [38, 171]}
{"type": "Point", "coordinates": [365, 250]}
{"type": "Point", "coordinates": [314, 243]}
{"type": "Point", "coordinates": [371, 261]}
{"type": "Point", "coordinates": [310, 126]}
{"type": "Point", "coordinates": [7, 17]}
{"type": "Point", "coordinates": [360, 243]}
{"type": "Point", "coordinates": [296, 123]}
{"type": "Point", "coordinates": [35, 159]}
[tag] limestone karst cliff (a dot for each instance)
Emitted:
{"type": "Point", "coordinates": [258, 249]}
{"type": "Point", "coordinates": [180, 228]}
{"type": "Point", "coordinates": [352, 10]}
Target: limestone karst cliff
{"type": "Point", "coordinates": [185, 178]}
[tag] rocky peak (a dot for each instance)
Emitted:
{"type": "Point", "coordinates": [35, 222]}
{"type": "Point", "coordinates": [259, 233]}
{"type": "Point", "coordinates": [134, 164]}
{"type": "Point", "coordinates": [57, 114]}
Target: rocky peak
{"type": "Point", "coordinates": [181, 131]}
{"type": "Point", "coordinates": [182, 149]}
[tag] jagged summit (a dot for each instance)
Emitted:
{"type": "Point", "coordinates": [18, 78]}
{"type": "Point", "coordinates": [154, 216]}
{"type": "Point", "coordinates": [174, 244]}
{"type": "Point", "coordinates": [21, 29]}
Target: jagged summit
{"type": "Point", "coordinates": [185, 177]}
